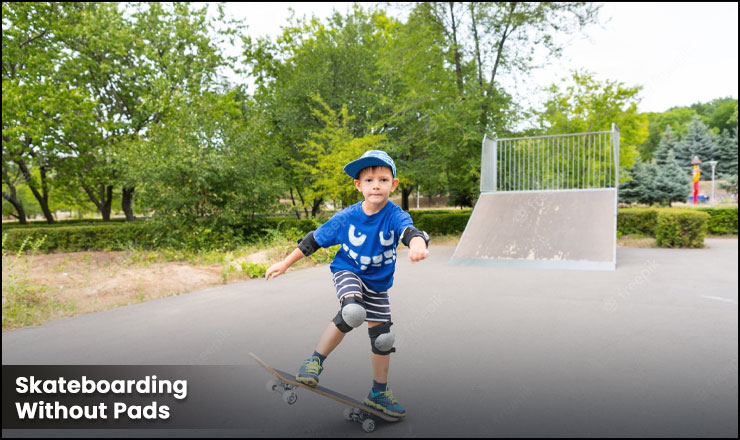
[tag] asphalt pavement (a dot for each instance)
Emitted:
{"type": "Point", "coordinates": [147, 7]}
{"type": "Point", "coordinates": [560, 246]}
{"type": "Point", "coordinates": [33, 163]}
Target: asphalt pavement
{"type": "Point", "coordinates": [650, 349]}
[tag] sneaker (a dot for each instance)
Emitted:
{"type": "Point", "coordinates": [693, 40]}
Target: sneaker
{"type": "Point", "coordinates": [384, 401]}
{"type": "Point", "coordinates": [309, 372]}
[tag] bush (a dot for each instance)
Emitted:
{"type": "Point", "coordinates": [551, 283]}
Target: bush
{"type": "Point", "coordinates": [417, 213]}
{"type": "Point", "coordinates": [722, 221]}
{"type": "Point", "coordinates": [146, 234]}
{"type": "Point", "coordinates": [443, 224]}
{"type": "Point", "coordinates": [637, 221]}
{"type": "Point", "coordinates": [681, 228]}
{"type": "Point", "coordinates": [80, 238]}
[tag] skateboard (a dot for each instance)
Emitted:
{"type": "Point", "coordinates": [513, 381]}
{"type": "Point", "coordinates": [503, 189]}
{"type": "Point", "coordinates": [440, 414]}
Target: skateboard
{"type": "Point", "coordinates": [285, 384]}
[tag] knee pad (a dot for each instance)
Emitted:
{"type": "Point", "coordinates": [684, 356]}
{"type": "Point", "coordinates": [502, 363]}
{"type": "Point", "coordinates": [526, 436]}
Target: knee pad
{"type": "Point", "coordinates": [351, 315]}
{"type": "Point", "coordinates": [382, 338]}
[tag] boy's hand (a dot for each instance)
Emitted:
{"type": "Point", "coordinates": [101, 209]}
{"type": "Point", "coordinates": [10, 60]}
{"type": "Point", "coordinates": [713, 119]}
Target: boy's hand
{"type": "Point", "coordinates": [276, 269]}
{"type": "Point", "coordinates": [418, 249]}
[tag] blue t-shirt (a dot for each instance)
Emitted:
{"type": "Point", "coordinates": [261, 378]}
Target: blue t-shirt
{"type": "Point", "coordinates": [368, 242]}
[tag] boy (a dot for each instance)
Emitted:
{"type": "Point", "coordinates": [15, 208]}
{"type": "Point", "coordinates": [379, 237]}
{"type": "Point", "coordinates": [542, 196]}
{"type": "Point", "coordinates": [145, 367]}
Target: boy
{"type": "Point", "coordinates": [369, 232]}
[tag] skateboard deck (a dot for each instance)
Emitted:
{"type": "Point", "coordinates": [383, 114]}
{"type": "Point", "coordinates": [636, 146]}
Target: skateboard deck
{"type": "Point", "coordinates": [284, 383]}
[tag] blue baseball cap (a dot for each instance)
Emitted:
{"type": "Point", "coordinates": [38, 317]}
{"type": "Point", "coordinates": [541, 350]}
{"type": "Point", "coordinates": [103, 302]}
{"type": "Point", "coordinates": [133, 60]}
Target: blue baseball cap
{"type": "Point", "coordinates": [370, 158]}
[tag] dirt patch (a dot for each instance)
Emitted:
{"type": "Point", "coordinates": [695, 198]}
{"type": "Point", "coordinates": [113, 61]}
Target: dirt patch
{"type": "Point", "coordinates": [95, 281]}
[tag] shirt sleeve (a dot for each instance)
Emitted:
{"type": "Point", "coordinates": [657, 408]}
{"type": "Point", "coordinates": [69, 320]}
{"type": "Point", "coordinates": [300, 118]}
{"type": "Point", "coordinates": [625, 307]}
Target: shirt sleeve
{"type": "Point", "coordinates": [329, 234]}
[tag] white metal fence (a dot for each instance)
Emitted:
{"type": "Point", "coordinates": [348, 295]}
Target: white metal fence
{"type": "Point", "coordinates": [556, 162]}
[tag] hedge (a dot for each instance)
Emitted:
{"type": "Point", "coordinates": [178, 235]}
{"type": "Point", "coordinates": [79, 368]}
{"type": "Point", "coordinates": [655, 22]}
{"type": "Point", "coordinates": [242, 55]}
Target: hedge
{"type": "Point", "coordinates": [681, 228]}
{"type": "Point", "coordinates": [146, 234]}
{"type": "Point", "coordinates": [637, 221]}
{"type": "Point", "coordinates": [443, 224]}
{"type": "Point", "coordinates": [114, 236]}
{"type": "Point", "coordinates": [670, 226]}
{"type": "Point", "coordinates": [417, 213]}
{"type": "Point", "coordinates": [722, 221]}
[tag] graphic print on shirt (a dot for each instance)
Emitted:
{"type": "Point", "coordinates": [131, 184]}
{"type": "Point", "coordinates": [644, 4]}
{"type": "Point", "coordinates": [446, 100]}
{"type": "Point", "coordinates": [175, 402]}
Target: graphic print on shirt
{"type": "Point", "coordinates": [387, 256]}
{"type": "Point", "coordinates": [356, 241]}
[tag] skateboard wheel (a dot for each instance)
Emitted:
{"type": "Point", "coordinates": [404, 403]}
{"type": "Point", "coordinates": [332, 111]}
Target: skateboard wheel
{"type": "Point", "coordinates": [348, 414]}
{"type": "Point", "coordinates": [368, 425]}
{"type": "Point", "coordinates": [290, 397]}
{"type": "Point", "coordinates": [272, 385]}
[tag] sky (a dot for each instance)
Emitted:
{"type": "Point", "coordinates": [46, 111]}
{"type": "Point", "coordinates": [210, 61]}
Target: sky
{"type": "Point", "coordinates": [681, 53]}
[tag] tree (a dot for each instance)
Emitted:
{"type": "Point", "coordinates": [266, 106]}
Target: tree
{"type": "Point", "coordinates": [135, 63]}
{"type": "Point", "coordinates": [667, 145]}
{"type": "Point", "coordinates": [336, 61]}
{"type": "Point", "coordinates": [677, 118]}
{"type": "Point", "coordinates": [209, 167]}
{"type": "Point", "coordinates": [726, 153]}
{"type": "Point", "coordinates": [698, 141]}
{"type": "Point", "coordinates": [640, 183]}
{"type": "Point", "coordinates": [40, 103]}
{"type": "Point", "coordinates": [588, 105]}
{"type": "Point", "coordinates": [328, 150]}
{"type": "Point", "coordinates": [672, 184]}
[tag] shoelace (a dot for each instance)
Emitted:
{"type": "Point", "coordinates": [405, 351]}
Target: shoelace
{"type": "Point", "coordinates": [389, 395]}
{"type": "Point", "coordinates": [313, 367]}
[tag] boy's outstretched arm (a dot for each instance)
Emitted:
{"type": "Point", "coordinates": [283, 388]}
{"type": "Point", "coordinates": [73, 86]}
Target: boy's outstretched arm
{"type": "Point", "coordinates": [306, 247]}
{"type": "Point", "coordinates": [279, 268]}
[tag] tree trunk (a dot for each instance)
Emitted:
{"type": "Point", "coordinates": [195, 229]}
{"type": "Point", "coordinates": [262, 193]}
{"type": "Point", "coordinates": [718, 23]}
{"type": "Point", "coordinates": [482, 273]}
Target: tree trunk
{"type": "Point", "coordinates": [104, 202]}
{"type": "Point", "coordinates": [405, 192]}
{"type": "Point", "coordinates": [316, 207]}
{"type": "Point", "coordinates": [17, 204]}
{"type": "Point", "coordinates": [292, 200]}
{"type": "Point", "coordinates": [477, 45]}
{"type": "Point", "coordinates": [43, 196]}
{"type": "Point", "coordinates": [456, 49]}
{"type": "Point", "coordinates": [108, 202]}
{"type": "Point", "coordinates": [127, 201]}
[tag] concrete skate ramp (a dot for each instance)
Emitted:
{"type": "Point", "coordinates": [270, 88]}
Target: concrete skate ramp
{"type": "Point", "coordinates": [546, 229]}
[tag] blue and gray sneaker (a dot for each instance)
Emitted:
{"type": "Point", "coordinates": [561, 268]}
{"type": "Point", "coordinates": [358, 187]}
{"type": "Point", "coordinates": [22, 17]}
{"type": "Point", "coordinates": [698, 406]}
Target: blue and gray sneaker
{"type": "Point", "coordinates": [309, 372]}
{"type": "Point", "coordinates": [384, 401]}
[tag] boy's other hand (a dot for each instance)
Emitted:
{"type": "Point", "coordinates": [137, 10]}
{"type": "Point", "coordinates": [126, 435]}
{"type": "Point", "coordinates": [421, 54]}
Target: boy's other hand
{"type": "Point", "coordinates": [417, 249]}
{"type": "Point", "coordinates": [276, 270]}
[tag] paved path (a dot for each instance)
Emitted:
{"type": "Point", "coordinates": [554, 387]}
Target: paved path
{"type": "Point", "coordinates": [650, 349]}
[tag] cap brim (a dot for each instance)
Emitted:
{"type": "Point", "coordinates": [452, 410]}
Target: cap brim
{"type": "Point", "coordinates": [353, 168]}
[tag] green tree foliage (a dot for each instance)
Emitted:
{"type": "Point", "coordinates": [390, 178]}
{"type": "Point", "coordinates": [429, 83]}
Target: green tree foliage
{"type": "Point", "coordinates": [209, 167]}
{"type": "Point", "coordinates": [677, 118]}
{"type": "Point", "coordinates": [667, 145]}
{"type": "Point", "coordinates": [337, 62]}
{"type": "Point", "coordinates": [328, 150]}
{"type": "Point", "coordinates": [641, 184]}
{"type": "Point", "coordinates": [717, 114]}
{"type": "Point", "coordinates": [40, 103]}
{"type": "Point", "coordinates": [672, 183]}
{"type": "Point", "coordinates": [584, 104]}
{"type": "Point", "coordinates": [726, 153]}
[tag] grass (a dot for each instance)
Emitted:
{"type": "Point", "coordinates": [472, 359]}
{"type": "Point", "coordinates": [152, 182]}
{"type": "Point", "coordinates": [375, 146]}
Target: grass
{"type": "Point", "coordinates": [23, 302]}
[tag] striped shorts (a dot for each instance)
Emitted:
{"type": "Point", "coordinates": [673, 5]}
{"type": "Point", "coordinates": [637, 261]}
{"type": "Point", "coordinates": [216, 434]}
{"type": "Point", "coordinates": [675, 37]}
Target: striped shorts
{"type": "Point", "coordinates": [377, 304]}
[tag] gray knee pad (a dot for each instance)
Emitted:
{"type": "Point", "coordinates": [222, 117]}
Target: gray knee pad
{"type": "Point", "coordinates": [351, 315]}
{"type": "Point", "coordinates": [382, 338]}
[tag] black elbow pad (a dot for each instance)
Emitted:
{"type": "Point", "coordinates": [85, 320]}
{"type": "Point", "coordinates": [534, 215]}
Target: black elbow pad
{"type": "Point", "coordinates": [411, 232]}
{"type": "Point", "coordinates": [308, 244]}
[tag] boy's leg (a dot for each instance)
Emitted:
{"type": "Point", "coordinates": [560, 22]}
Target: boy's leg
{"type": "Point", "coordinates": [381, 363]}
{"type": "Point", "coordinates": [380, 396]}
{"type": "Point", "coordinates": [329, 340]}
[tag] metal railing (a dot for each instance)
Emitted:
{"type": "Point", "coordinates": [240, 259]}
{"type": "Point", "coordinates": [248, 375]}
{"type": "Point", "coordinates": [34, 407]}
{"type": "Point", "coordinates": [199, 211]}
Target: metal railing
{"type": "Point", "coordinates": [556, 162]}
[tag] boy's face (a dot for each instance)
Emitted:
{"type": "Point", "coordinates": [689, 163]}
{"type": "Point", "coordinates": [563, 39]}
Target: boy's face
{"type": "Point", "coordinates": [376, 184]}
